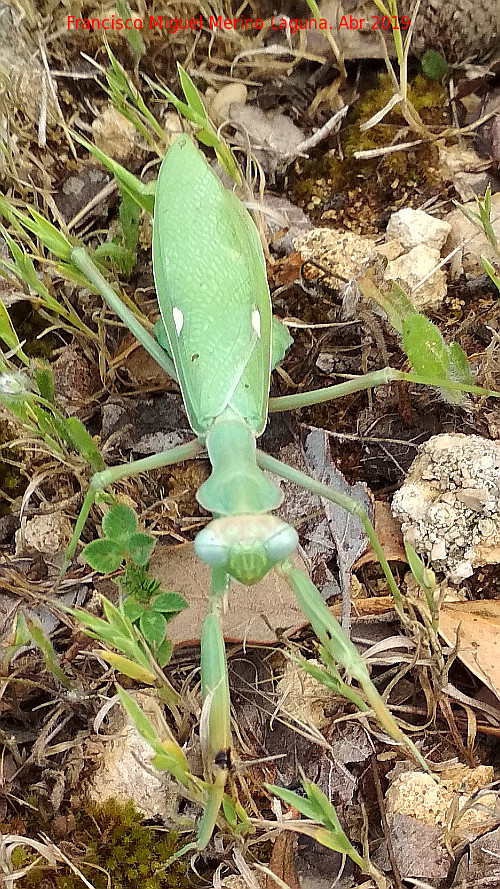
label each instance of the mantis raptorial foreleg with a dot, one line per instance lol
(348, 503)
(101, 480)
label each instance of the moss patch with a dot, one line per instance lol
(361, 194)
(111, 846)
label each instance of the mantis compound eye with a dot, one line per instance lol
(246, 546)
(282, 544)
(210, 548)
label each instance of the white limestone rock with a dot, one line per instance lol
(340, 252)
(411, 268)
(449, 504)
(414, 228)
(470, 240)
(125, 772)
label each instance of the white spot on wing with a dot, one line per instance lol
(178, 319)
(256, 321)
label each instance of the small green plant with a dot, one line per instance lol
(146, 606)
(27, 631)
(193, 110)
(389, 10)
(426, 580)
(151, 609)
(31, 401)
(121, 541)
(323, 824)
(432, 357)
(482, 219)
(132, 656)
(428, 353)
(336, 649)
(434, 65)
(20, 268)
(120, 253)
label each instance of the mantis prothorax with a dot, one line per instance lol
(217, 337)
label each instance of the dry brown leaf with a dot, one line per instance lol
(284, 271)
(388, 531)
(479, 637)
(179, 571)
(282, 862)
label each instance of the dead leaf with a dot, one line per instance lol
(345, 529)
(417, 848)
(282, 862)
(142, 368)
(178, 570)
(273, 136)
(388, 531)
(479, 637)
(480, 866)
(284, 271)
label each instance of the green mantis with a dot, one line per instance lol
(217, 337)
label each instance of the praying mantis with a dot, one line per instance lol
(217, 338)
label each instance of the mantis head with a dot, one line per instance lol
(246, 546)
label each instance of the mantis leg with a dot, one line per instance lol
(114, 473)
(85, 264)
(337, 648)
(351, 506)
(369, 381)
(215, 722)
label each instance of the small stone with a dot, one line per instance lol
(340, 252)
(46, 534)
(438, 551)
(414, 228)
(391, 249)
(229, 94)
(302, 697)
(449, 504)
(76, 380)
(471, 240)
(411, 268)
(115, 135)
(125, 772)
(419, 796)
(474, 498)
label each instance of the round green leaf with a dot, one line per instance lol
(119, 523)
(169, 603)
(163, 652)
(133, 609)
(434, 66)
(103, 556)
(140, 546)
(152, 626)
(425, 347)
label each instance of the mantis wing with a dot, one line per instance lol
(212, 291)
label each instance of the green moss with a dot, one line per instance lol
(113, 842)
(357, 190)
(11, 480)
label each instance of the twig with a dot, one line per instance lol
(382, 152)
(383, 819)
(320, 134)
